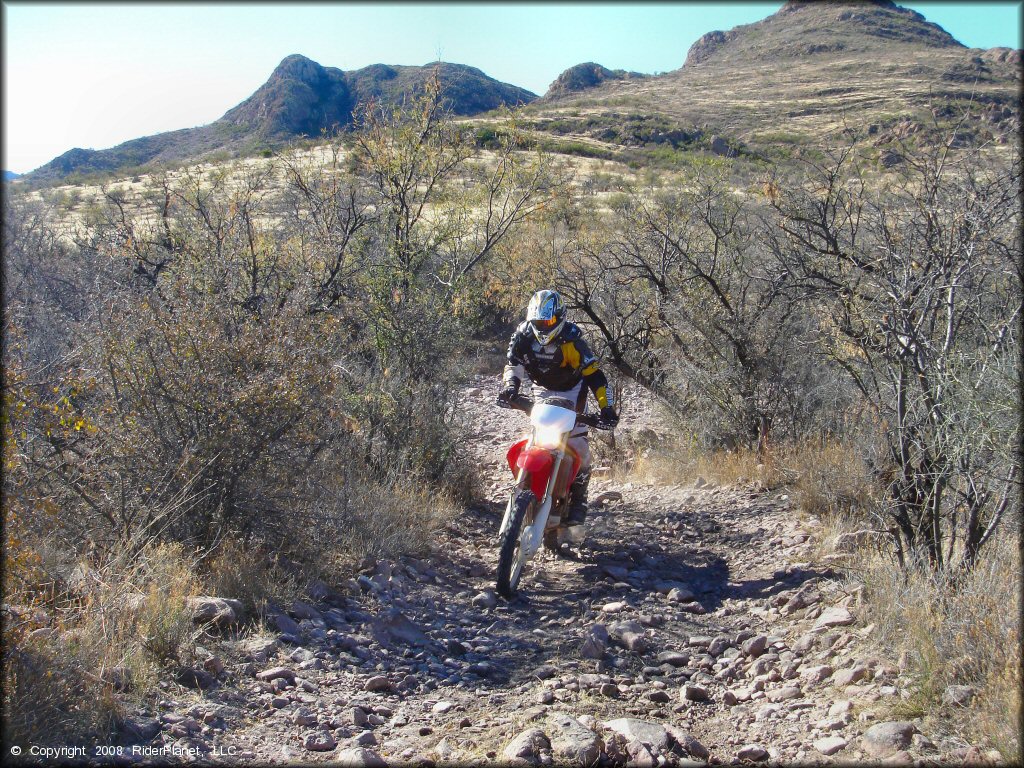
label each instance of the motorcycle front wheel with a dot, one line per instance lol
(511, 555)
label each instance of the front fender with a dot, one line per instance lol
(537, 463)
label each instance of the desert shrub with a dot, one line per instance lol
(69, 666)
(683, 296)
(830, 478)
(252, 574)
(262, 377)
(918, 284)
(954, 631)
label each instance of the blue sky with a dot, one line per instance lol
(94, 75)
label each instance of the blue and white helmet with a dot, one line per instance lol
(546, 315)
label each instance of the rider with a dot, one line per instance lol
(552, 352)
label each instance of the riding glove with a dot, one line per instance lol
(608, 416)
(508, 394)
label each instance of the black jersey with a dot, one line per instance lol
(560, 365)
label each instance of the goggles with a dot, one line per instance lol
(543, 323)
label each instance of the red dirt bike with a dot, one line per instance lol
(544, 467)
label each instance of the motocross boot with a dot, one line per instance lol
(578, 499)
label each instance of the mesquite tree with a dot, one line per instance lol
(686, 300)
(920, 276)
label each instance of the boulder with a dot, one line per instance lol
(836, 616)
(526, 747)
(219, 611)
(571, 742)
(884, 739)
(632, 729)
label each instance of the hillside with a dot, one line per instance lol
(803, 74)
(301, 98)
(800, 76)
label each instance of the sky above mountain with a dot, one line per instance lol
(94, 75)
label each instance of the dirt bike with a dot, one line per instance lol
(544, 467)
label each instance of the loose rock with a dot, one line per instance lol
(572, 743)
(377, 683)
(694, 693)
(275, 673)
(527, 747)
(632, 729)
(486, 600)
(595, 643)
(958, 695)
(359, 758)
(835, 616)
(885, 739)
(752, 752)
(321, 741)
(830, 745)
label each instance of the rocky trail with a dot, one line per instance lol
(692, 627)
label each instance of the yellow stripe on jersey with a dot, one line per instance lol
(570, 356)
(590, 368)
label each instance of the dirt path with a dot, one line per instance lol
(692, 627)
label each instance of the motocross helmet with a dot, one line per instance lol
(546, 315)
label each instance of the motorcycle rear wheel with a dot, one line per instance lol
(511, 556)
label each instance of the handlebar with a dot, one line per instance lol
(525, 404)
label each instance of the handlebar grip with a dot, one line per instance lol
(517, 403)
(593, 420)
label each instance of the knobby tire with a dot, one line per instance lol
(509, 544)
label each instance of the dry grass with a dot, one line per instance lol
(402, 518)
(251, 575)
(68, 682)
(825, 479)
(684, 464)
(955, 631)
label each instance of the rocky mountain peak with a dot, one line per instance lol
(298, 67)
(807, 27)
(586, 75)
